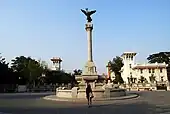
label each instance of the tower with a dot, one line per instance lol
(128, 61)
(56, 63)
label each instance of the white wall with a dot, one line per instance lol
(128, 59)
(135, 70)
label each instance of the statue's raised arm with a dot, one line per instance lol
(88, 14)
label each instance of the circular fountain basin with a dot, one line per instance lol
(90, 78)
(98, 93)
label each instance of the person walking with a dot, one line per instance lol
(89, 94)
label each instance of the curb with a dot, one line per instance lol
(130, 96)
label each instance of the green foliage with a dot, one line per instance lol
(116, 65)
(77, 72)
(28, 68)
(25, 70)
(159, 57)
(53, 77)
(2, 60)
(3, 70)
(8, 78)
(118, 78)
(152, 78)
(142, 79)
(32, 70)
(3, 65)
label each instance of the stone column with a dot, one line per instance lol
(89, 71)
(89, 28)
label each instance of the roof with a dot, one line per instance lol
(126, 53)
(56, 59)
(150, 66)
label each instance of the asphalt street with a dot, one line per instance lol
(148, 103)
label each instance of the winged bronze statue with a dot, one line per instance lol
(88, 14)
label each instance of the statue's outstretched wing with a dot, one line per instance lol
(92, 12)
(84, 12)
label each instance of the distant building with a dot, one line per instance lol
(56, 63)
(132, 71)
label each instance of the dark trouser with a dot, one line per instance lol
(89, 99)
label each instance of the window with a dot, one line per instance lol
(141, 71)
(160, 70)
(153, 70)
(162, 78)
(149, 70)
(128, 79)
(130, 65)
(130, 73)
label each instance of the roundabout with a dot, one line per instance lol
(55, 98)
(26, 103)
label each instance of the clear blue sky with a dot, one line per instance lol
(47, 28)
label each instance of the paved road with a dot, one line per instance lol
(147, 103)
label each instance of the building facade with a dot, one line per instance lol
(132, 72)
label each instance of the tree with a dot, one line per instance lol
(116, 65)
(142, 79)
(8, 79)
(43, 64)
(2, 60)
(152, 78)
(53, 77)
(3, 70)
(159, 57)
(29, 69)
(77, 72)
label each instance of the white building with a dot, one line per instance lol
(133, 72)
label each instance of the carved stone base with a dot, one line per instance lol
(90, 69)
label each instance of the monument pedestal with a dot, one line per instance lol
(89, 74)
(90, 68)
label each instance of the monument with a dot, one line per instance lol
(89, 74)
